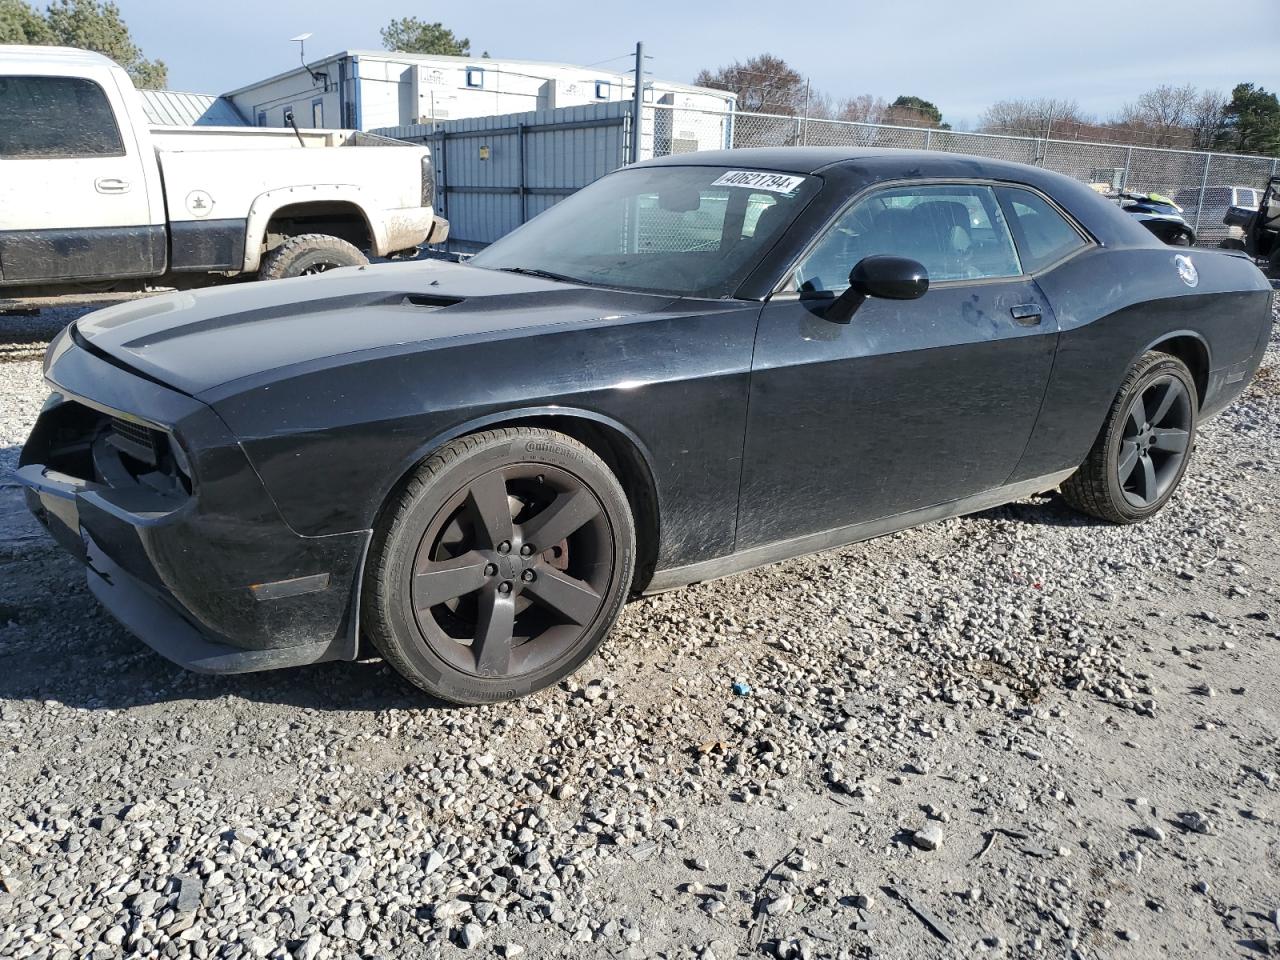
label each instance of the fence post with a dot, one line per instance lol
(1128, 165)
(1204, 183)
(637, 105)
(524, 207)
(928, 139)
(442, 180)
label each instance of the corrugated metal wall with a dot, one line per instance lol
(494, 173)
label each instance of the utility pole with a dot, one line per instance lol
(637, 109)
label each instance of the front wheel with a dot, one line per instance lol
(499, 567)
(309, 254)
(1145, 445)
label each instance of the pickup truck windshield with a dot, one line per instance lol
(690, 231)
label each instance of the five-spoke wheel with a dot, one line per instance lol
(1154, 441)
(1144, 447)
(501, 566)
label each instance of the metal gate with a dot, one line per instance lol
(495, 173)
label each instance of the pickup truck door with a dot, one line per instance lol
(74, 201)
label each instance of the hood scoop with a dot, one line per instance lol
(432, 301)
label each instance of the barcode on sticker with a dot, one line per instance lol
(759, 180)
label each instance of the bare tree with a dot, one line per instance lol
(764, 84)
(1161, 116)
(1030, 117)
(1206, 117)
(863, 109)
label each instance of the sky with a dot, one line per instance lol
(961, 54)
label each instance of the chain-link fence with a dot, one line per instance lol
(1203, 184)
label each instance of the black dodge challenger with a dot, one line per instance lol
(694, 366)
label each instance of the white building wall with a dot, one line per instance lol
(394, 90)
(264, 104)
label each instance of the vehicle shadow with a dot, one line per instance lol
(1049, 509)
(58, 644)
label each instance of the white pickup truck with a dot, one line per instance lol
(91, 197)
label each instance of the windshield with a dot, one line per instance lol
(690, 231)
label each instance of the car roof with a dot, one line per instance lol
(811, 160)
(785, 159)
(1102, 218)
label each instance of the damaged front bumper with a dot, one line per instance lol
(179, 539)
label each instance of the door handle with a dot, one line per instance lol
(1027, 314)
(111, 185)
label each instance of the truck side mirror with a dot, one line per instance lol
(1238, 216)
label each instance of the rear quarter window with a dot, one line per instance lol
(1043, 235)
(56, 118)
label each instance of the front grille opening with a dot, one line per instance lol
(79, 441)
(137, 441)
(63, 440)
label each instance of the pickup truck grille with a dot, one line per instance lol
(139, 442)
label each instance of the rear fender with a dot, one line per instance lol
(266, 205)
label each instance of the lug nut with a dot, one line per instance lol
(504, 546)
(526, 550)
(504, 587)
(527, 576)
(490, 569)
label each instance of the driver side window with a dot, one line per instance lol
(957, 232)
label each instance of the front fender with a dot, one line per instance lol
(513, 416)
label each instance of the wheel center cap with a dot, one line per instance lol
(509, 566)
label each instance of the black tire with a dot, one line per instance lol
(436, 533)
(308, 254)
(1111, 484)
(1273, 267)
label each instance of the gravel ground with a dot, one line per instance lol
(1014, 734)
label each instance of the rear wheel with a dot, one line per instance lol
(500, 566)
(1145, 445)
(309, 254)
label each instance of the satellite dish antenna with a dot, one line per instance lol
(301, 40)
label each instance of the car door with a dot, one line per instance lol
(73, 198)
(911, 403)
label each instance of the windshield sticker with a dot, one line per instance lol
(759, 180)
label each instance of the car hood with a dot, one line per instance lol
(195, 342)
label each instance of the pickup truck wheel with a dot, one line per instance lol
(309, 254)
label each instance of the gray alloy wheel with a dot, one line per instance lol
(500, 566)
(1145, 445)
(307, 255)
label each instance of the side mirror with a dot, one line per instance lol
(1237, 216)
(886, 277)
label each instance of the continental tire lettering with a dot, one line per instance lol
(551, 449)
